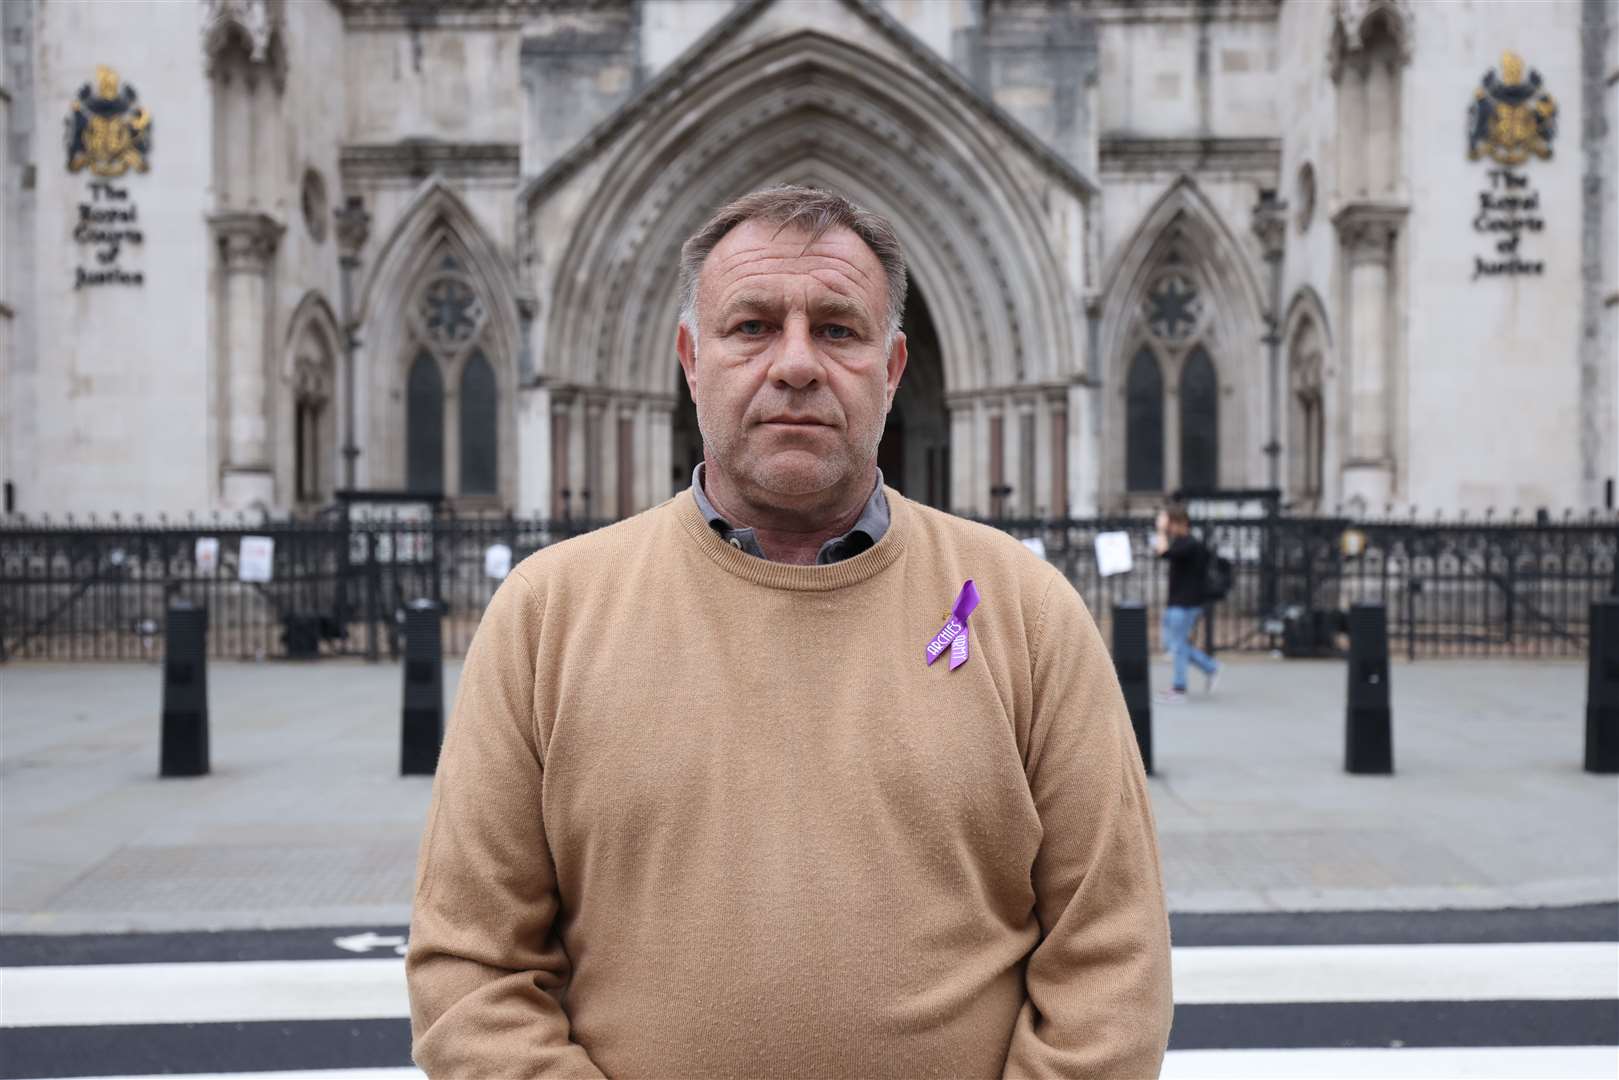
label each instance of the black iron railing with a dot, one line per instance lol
(338, 585)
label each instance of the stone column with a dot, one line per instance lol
(1084, 450)
(534, 468)
(247, 244)
(1367, 234)
(1270, 225)
(962, 457)
(1023, 477)
(659, 444)
(595, 502)
(561, 451)
(353, 226)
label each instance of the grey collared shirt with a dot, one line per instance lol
(867, 530)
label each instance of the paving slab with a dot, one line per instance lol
(304, 820)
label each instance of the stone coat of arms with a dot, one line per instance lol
(1512, 118)
(107, 132)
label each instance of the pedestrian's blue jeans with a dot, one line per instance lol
(1178, 624)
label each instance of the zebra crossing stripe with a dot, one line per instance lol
(1264, 974)
(1449, 1063)
(1495, 1063)
(362, 989)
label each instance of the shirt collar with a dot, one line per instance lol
(868, 528)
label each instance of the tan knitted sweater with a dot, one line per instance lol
(699, 814)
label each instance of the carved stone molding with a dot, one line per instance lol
(353, 227)
(1351, 21)
(457, 14)
(416, 159)
(1125, 154)
(255, 23)
(1367, 231)
(1270, 225)
(247, 240)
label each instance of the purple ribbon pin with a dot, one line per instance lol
(953, 635)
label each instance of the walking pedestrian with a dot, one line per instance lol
(1188, 561)
(720, 795)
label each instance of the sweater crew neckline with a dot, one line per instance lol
(774, 575)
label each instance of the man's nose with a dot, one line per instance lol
(797, 363)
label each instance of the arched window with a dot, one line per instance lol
(452, 428)
(1306, 434)
(479, 422)
(1200, 423)
(1144, 424)
(1171, 388)
(424, 425)
(313, 428)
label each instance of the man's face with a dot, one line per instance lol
(789, 374)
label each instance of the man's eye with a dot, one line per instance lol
(838, 333)
(751, 327)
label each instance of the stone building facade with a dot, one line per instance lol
(257, 251)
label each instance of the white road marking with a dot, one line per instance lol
(203, 993)
(361, 989)
(1248, 975)
(1425, 1063)
(411, 1073)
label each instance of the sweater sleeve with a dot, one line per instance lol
(1097, 1000)
(485, 967)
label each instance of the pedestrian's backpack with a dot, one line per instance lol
(1216, 576)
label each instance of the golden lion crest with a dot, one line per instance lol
(1512, 116)
(107, 132)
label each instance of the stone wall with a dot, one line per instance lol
(1492, 414)
(117, 376)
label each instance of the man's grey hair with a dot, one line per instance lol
(796, 209)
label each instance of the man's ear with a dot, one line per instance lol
(897, 357)
(686, 350)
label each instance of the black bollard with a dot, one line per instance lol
(1369, 735)
(1130, 662)
(423, 721)
(184, 740)
(1602, 689)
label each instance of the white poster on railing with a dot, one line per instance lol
(1113, 553)
(497, 561)
(206, 558)
(1036, 545)
(257, 559)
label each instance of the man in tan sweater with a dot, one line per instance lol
(789, 776)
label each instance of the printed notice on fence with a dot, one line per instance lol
(1113, 553)
(257, 559)
(207, 555)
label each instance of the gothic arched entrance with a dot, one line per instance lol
(992, 224)
(915, 451)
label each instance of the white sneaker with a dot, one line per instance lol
(1170, 697)
(1212, 679)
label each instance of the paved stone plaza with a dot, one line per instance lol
(305, 822)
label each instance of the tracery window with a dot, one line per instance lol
(1172, 388)
(452, 406)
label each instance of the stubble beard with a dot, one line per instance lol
(793, 472)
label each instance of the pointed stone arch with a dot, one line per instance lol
(994, 232)
(1360, 21)
(1184, 236)
(307, 404)
(1310, 408)
(437, 238)
(809, 109)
